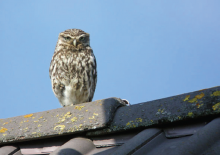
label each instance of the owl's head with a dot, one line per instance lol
(74, 37)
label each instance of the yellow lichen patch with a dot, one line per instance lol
(193, 100)
(3, 130)
(5, 123)
(186, 98)
(25, 129)
(80, 126)
(26, 121)
(39, 125)
(161, 110)
(79, 107)
(216, 106)
(59, 127)
(93, 117)
(128, 124)
(35, 134)
(40, 117)
(200, 96)
(199, 105)
(216, 93)
(62, 120)
(190, 114)
(4, 134)
(33, 117)
(139, 119)
(131, 124)
(74, 119)
(95, 114)
(152, 121)
(179, 117)
(36, 121)
(68, 115)
(26, 116)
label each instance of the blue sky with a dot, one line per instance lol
(145, 50)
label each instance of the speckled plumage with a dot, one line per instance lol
(72, 70)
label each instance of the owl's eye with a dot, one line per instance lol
(67, 38)
(82, 39)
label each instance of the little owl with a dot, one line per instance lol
(72, 70)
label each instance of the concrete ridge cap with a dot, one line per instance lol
(105, 116)
(61, 121)
(188, 106)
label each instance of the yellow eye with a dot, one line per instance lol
(67, 38)
(82, 39)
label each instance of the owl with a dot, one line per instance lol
(72, 69)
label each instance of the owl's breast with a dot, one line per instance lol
(77, 69)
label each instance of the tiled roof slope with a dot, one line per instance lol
(182, 124)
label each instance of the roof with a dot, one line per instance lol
(182, 124)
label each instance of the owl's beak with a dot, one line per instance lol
(74, 42)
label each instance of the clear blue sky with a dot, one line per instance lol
(145, 49)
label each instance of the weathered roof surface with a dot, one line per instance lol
(82, 117)
(182, 107)
(182, 124)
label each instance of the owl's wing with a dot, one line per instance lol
(94, 78)
(51, 68)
